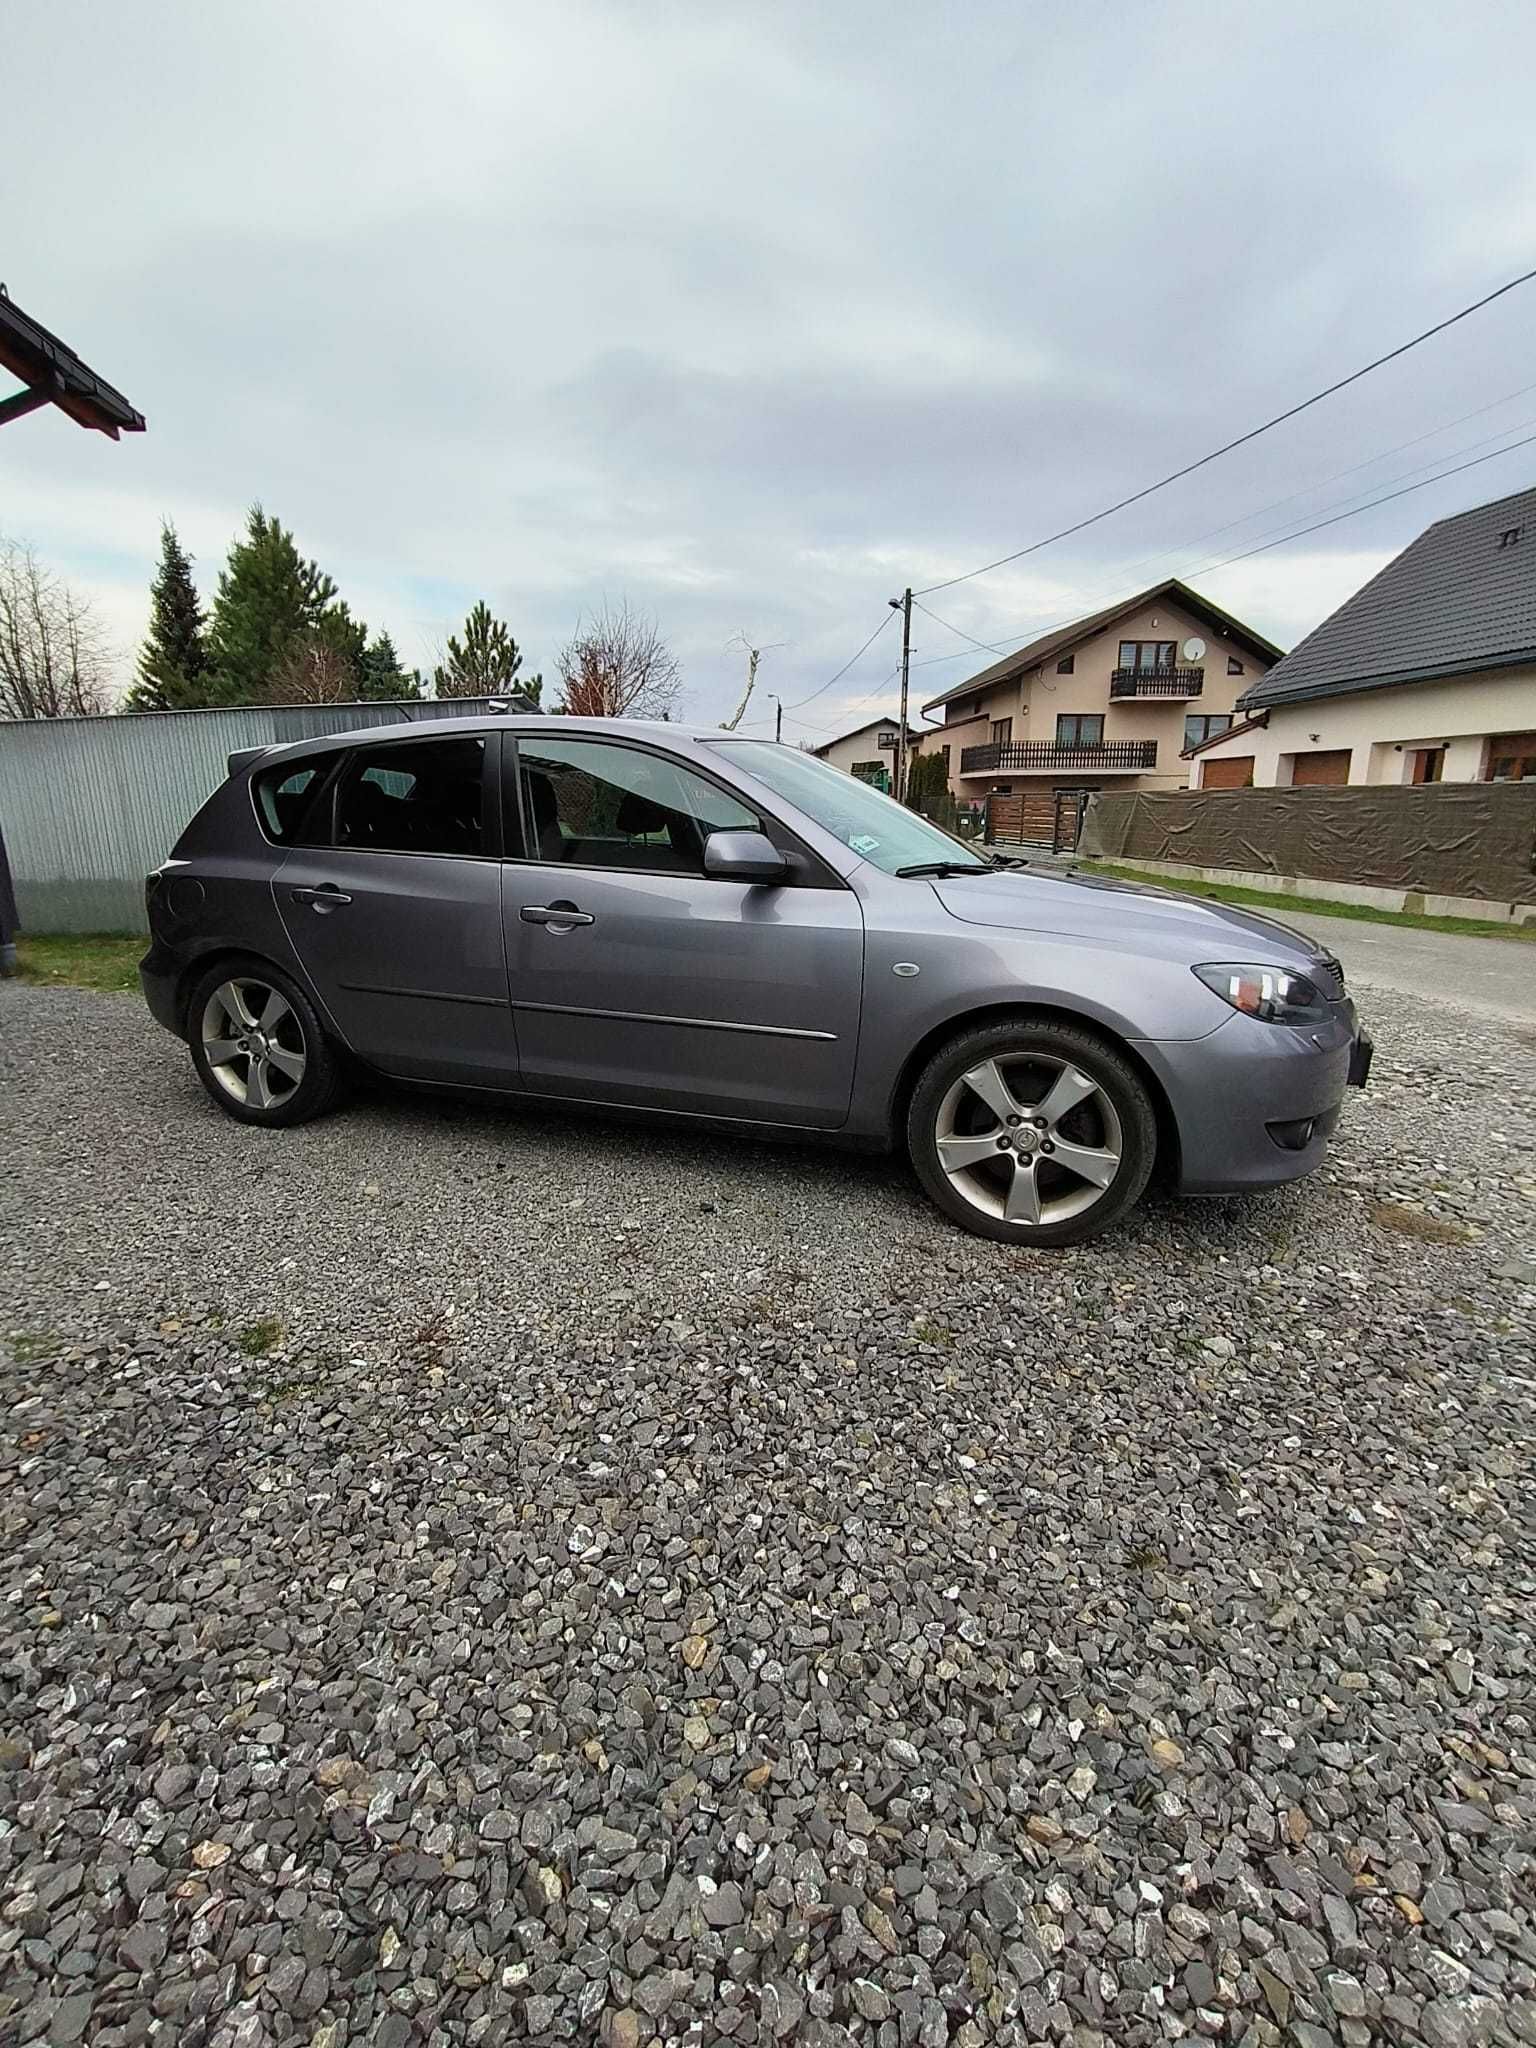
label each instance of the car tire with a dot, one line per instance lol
(1031, 1132)
(278, 1067)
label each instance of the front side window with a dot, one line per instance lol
(1203, 725)
(601, 804)
(883, 831)
(1146, 654)
(1080, 729)
(413, 797)
(282, 797)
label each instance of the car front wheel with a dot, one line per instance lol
(1031, 1133)
(258, 1047)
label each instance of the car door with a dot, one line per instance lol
(395, 912)
(635, 978)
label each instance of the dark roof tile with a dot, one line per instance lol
(1452, 602)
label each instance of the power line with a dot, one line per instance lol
(986, 646)
(1107, 594)
(829, 732)
(1209, 568)
(1493, 454)
(884, 622)
(1227, 447)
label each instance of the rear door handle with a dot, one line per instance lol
(560, 916)
(326, 897)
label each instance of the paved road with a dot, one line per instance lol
(1493, 977)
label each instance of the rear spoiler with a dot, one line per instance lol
(244, 756)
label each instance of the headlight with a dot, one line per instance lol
(1268, 992)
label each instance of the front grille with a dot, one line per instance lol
(1328, 976)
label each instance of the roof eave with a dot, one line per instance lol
(1344, 686)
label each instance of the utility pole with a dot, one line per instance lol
(778, 719)
(903, 604)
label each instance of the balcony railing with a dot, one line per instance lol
(1002, 760)
(1156, 682)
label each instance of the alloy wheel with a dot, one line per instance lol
(253, 1042)
(1030, 1139)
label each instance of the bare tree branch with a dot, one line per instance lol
(618, 666)
(313, 672)
(53, 656)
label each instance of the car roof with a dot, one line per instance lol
(557, 727)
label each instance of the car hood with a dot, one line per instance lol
(1091, 906)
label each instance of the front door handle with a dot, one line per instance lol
(558, 916)
(326, 897)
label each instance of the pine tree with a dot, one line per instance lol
(173, 662)
(380, 676)
(271, 602)
(484, 663)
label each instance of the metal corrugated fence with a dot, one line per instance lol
(89, 805)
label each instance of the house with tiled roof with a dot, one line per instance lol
(1108, 701)
(1426, 674)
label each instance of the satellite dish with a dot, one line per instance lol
(1193, 649)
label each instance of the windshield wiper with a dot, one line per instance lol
(948, 867)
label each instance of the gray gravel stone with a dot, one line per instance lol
(513, 1643)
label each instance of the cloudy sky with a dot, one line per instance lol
(754, 313)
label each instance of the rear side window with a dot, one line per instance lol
(282, 797)
(414, 797)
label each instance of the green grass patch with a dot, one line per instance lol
(33, 1347)
(937, 1334)
(1317, 906)
(108, 961)
(258, 1338)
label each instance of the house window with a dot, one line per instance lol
(1067, 665)
(1002, 732)
(886, 739)
(1205, 725)
(1080, 729)
(1512, 757)
(1234, 666)
(944, 752)
(1146, 654)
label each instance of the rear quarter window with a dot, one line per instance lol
(283, 797)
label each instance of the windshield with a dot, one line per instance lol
(873, 824)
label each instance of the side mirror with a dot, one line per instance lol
(743, 857)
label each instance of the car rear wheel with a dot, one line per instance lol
(1031, 1133)
(258, 1046)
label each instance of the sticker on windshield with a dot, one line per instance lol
(866, 843)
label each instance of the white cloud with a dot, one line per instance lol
(755, 314)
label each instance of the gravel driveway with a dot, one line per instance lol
(481, 1577)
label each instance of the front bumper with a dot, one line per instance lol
(1255, 1103)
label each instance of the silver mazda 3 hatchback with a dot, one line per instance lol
(689, 924)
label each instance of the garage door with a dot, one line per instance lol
(1236, 773)
(1321, 771)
